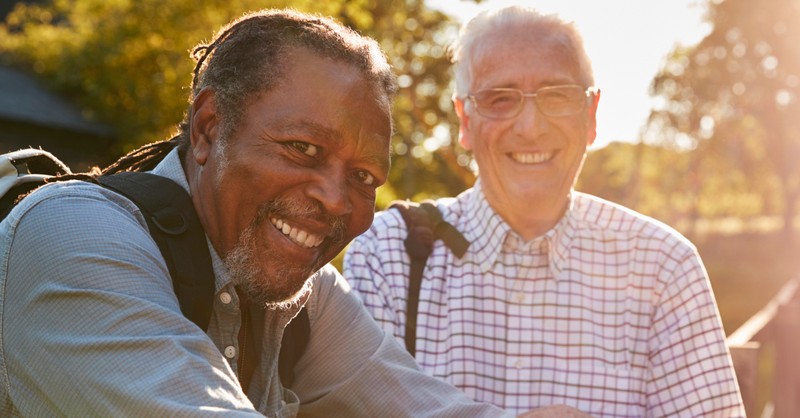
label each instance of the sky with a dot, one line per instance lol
(628, 42)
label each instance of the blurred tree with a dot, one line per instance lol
(653, 180)
(734, 99)
(126, 63)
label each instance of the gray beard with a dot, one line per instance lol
(287, 287)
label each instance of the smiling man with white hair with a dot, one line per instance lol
(562, 297)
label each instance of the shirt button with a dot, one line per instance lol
(519, 363)
(230, 351)
(519, 297)
(225, 297)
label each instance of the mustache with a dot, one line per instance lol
(294, 208)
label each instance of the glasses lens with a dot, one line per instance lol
(560, 100)
(552, 101)
(498, 103)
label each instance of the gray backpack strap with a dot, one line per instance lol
(24, 170)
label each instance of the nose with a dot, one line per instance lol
(331, 191)
(530, 119)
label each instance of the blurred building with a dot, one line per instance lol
(32, 116)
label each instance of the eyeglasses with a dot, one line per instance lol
(505, 103)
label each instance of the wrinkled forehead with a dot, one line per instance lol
(502, 44)
(524, 37)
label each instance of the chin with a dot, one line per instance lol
(276, 283)
(287, 301)
(270, 275)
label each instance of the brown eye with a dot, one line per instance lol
(306, 148)
(365, 177)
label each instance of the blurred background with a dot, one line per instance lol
(699, 120)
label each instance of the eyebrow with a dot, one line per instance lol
(544, 83)
(309, 128)
(384, 162)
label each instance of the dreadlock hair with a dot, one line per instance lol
(245, 59)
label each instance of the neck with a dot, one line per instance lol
(532, 220)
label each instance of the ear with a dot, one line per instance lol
(203, 125)
(591, 123)
(463, 128)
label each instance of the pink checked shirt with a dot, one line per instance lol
(610, 312)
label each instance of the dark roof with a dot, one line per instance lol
(6, 6)
(25, 100)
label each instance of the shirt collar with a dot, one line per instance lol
(487, 232)
(170, 167)
(484, 228)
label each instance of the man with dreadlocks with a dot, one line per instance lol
(284, 142)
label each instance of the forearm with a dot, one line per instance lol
(390, 384)
(351, 368)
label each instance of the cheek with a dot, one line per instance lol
(361, 219)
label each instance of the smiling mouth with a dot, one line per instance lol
(298, 236)
(532, 157)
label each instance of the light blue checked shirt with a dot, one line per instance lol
(609, 312)
(90, 326)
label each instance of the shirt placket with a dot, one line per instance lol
(528, 261)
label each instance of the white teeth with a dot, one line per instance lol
(300, 237)
(532, 158)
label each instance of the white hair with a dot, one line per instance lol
(475, 34)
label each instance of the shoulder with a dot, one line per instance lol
(597, 215)
(389, 230)
(74, 225)
(327, 279)
(390, 220)
(72, 211)
(330, 293)
(387, 219)
(69, 199)
(74, 242)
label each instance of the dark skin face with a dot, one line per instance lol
(296, 180)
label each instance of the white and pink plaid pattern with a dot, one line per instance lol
(610, 312)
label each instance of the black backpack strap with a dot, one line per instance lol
(425, 225)
(419, 245)
(444, 231)
(175, 227)
(293, 344)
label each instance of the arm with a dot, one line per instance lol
(91, 326)
(690, 369)
(364, 268)
(352, 369)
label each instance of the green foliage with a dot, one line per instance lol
(734, 99)
(426, 164)
(126, 62)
